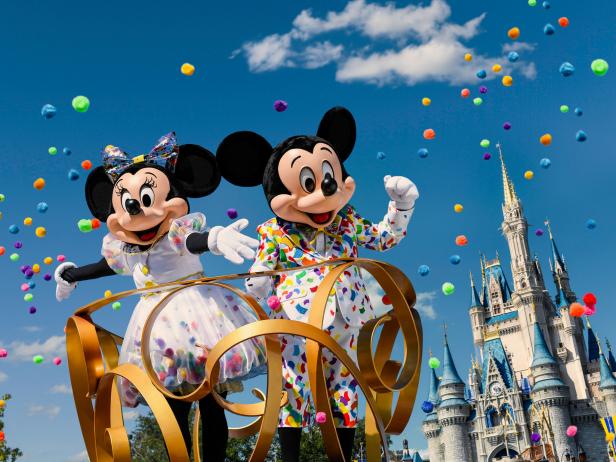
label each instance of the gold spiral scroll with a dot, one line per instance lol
(93, 364)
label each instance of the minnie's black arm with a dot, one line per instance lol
(92, 271)
(197, 242)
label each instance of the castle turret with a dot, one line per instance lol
(607, 385)
(610, 358)
(559, 268)
(430, 426)
(477, 315)
(593, 343)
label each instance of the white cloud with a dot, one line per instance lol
(518, 46)
(425, 304)
(416, 43)
(32, 328)
(61, 389)
(81, 457)
(50, 411)
(49, 348)
(3, 376)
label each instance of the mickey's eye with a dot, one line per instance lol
(306, 179)
(147, 196)
(328, 169)
(125, 198)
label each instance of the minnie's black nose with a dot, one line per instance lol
(329, 185)
(133, 207)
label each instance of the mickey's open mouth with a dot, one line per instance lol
(320, 218)
(147, 234)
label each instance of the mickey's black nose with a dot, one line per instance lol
(329, 185)
(133, 207)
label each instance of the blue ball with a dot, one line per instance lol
(42, 207)
(548, 29)
(423, 270)
(513, 56)
(48, 111)
(566, 69)
(578, 111)
(73, 175)
(545, 163)
(32, 284)
(482, 74)
(67, 151)
(455, 259)
(427, 407)
(591, 224)
(13, 229)
(423, 153)
(580, 136)
(546, 5)
(380, 155)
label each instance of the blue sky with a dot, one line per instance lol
(379, 62)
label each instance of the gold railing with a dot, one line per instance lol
(93, 365)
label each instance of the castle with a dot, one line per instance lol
(539, 370)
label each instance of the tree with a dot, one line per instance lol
(7, 454)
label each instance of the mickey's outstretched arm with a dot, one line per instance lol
(227, 241)
(67, 275)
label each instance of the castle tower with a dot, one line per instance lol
(559, 268)
(453, 412)
(610, 359)
(607, 386)
(477, 314)
(430, 425)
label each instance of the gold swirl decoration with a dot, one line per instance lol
(93, 365)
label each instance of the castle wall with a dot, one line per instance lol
(591, 438)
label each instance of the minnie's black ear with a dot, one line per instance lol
(242, 158)
(196, 171)
(99, 190)
(338, 127)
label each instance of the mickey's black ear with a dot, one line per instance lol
(242, 158)
(196, 171)
(99, 190)
(338, 127)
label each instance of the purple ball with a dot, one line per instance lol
(539, 232)
(280, 105)
(32, 309)
(18, 245)
(23, 268)
(535, 437)
(507, 126)
(487, 156)
(29, 273)
(483, 89)
(232, 213)
(47, 277)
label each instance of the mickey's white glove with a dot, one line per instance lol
(402, 191)
(259, 286)
(230, 243)
(63, 288)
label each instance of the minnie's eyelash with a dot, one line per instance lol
(120, 190)
(150, 182)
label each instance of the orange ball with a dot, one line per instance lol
(2, 250)
(429, 134)
(465, 93)
(507, 80)
(39, 183)
(513, 33)
(563, 22)
(461, 240)
(576, 310)
(546, 139)
(86, 165)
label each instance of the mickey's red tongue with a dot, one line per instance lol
(147, 236)
(320, 218)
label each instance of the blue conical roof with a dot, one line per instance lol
(541, 353)
(474, 295)
(450, 373)
(562, 298)
(558, 258)
(610, 357)
(417, 457)
(607, 378)
(593, 344)
(434, 383)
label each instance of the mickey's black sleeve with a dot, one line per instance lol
(197, 242)
(83, 273)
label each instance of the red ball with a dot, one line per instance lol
(96, 223)
(86, 165)
(590, 299)
(576, 310)
(563, 22)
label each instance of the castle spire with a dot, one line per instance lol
(594, 348)
(508, 188)
(541, 353)
(610, 358)
(450, 373)
(557, 256)
(475, 301)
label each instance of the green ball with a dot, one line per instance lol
(564, 109)
(2, 197)
(599, 67)
(37, 359)
(434, 363)
(484, 143)
(448, 288)
(14, 257)
(81, 103)
(84, 225)
(477, 101)
(52, 151)
(532, 2)
(28, 297)
(116, 306)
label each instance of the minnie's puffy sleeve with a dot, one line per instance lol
(113, 253)
(183, 227)
(385, 234)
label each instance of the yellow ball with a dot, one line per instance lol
(468, 57)
(187, 69)
(497, 68)
(48, 260)
(36, 268)
(2, 403)
(528, 174)
(507, 80)
(458, 208)
(108, 294)
(426, 101)
(40, 232)
(28, 221)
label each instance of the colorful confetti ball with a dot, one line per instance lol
(13, 229)
(3, 353)
(84, 225)
(448, 288)
(546, 5)
(581, 136)
(61, 258)
(39, 183)
(81, 103)
(380, 155)
(461, 240)
(321, 417)
(599, 67)
(422, 153)
(86, 164)
(40, 232)
(545, 139)
(563, 22)
(67, 151)
(107, 293)
(548, 29)
(571, 431)
(187, 69)
(507, 126)
(57, 361)
(591, 224)
(427, 407)
(426, 101)
(47, 277)
(545, 163)
(28, 221)
(14, 257)
(2, 197)
(48, 260)
(455, 259)
(576, 310)
(28, 297)
(2, 250)
(48, 111)
(423, 270)
(484, 143)
(564, 108)
(513, 33)
(589, 299)
(280, 105)
(232, 213)
(539, 232)
(73, 175)
(578, 111)
(468, 57)
(529, 174)
(458, 208)
(434, 363)
(42, 207)
(52, 150)
(483, 89)
(25, 287)
(465, 93)
(487, 156)
(532, 2)
(513, 56)
(482, 74)
(429, 134)
(477, 101)
(115, 306)
(566, 69)
(36, 268)
(37, 359)
(32, 310)
(535, 437)
(507, 80)
(18, 245)
(273, 302)
(497, 68)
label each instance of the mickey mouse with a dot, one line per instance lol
(308, 189)
(153, 238)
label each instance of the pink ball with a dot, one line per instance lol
(25, 287)
(571, 431)
(3, 353)
(590, 310)
(273, 302)
(321, 417)
(60, 258)
(57, 361)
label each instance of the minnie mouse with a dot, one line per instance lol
(308, 189)
(144, 201)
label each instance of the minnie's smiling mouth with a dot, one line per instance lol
(147, 234)
(320, 218)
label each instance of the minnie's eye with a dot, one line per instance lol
(306, 179)
(125, 198)
(328, 169)
(147, 196)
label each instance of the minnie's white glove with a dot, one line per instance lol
(259, 286)
(402, 191)
(63, 288)
(230, 243)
